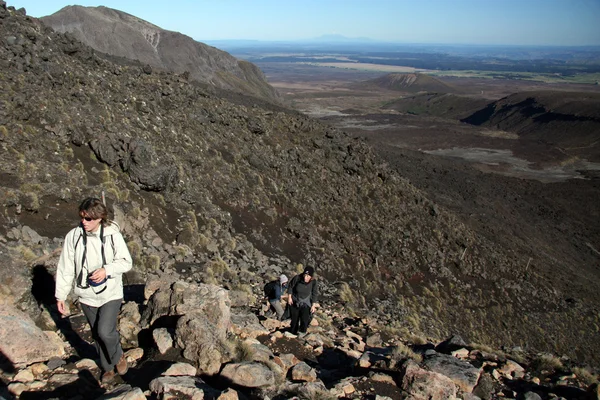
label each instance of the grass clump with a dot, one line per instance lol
(547, 362)
(31, 201)
(152, 262)
(219, 268)
(401, 353)
(241, 350)
(26, 254)
(10, 198)
(585, 375)
(135, 249)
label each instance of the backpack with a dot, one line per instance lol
(269, 288)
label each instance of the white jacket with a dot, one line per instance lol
(118, 261)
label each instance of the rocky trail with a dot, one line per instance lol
(186, 341)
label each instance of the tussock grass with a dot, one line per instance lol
(402, 353)
(585, 375)
(135, 249)
(483, 347)
(26, 253)
(547, 362)
(243, 287)
(416, 339)
(241, 351)
(10, 198)
(152, 262)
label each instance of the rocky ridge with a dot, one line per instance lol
(411, 83)
(234, 192)
(569, 121)
(119, 34)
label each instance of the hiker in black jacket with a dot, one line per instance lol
(273, 292)
(302, 300)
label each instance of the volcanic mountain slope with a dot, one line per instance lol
(568, 120)
(237, 190)
(444, 105)
(410, 83)
(120, 34)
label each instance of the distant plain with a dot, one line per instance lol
(328, 81)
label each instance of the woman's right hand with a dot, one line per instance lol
(62, 309)
(290, 300)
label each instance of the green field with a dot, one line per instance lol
(530, 76)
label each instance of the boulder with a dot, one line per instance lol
(421, 384)
(451, 344)
(302, 372)
(462, 373)
(249, 374)
(123, 392)
(163, 339)
(247, 325)
(129, 325)
(203, 317)
(180, 369)
(167, 386)
(22, 342)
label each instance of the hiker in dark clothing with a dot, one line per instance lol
(302, 300)
(273, 292)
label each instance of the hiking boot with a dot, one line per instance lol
(122, 366)
(107, 377)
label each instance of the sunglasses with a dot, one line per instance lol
(88, 219)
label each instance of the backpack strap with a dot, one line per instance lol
(80, 278)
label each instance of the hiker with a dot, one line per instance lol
(95, 256)
(302, 300)
(273, 291)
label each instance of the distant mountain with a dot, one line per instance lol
(340, 38)
(411, 83)
(123, 35)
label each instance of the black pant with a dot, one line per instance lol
(103, 322)
(300, 318)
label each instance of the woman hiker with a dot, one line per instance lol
(95, 257)
(302, 300)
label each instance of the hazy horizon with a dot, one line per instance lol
(438, 22)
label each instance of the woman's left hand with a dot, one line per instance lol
(98, 275)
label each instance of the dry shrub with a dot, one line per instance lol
(152, 262)
(401, 353)
(585, 375)
(241, 351)
(547, 362)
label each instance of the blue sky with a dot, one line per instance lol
(513, 22)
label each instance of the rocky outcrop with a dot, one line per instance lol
(123, 35)
(22, 342)
(570, 121)
(203, 318)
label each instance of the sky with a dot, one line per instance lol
(493, 22)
